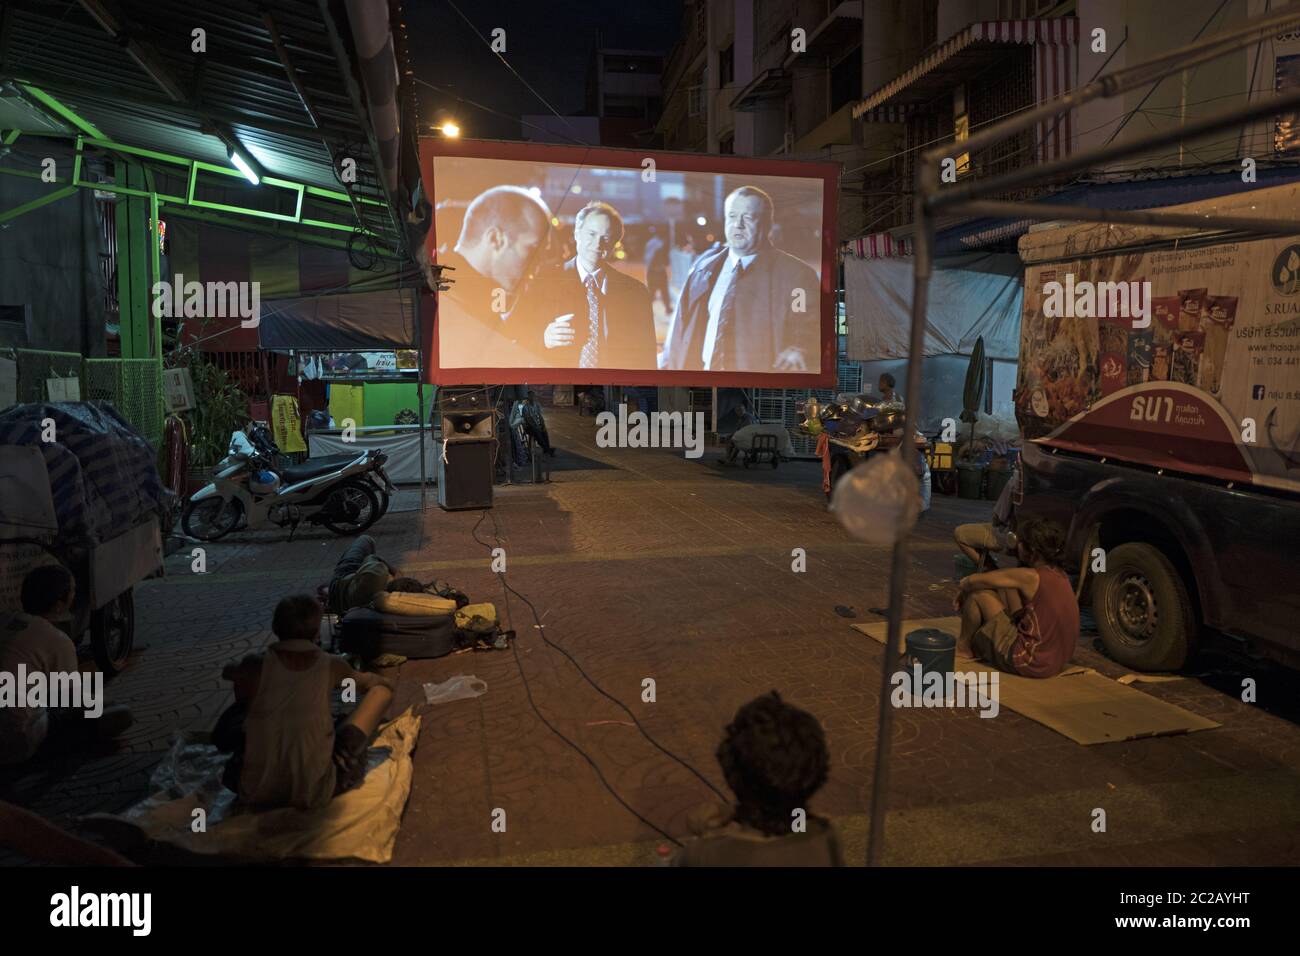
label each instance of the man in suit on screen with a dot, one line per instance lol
(746, 306)
(599, 317)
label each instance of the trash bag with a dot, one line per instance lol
(460, 687)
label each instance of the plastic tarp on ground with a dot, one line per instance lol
(346, 322)
(970, 296)
(102, 474)
(361, 824)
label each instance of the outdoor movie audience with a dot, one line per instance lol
(288, 750)
(1022, 620)
(31, 640)
(774, 758)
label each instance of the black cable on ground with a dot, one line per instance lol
(532, 703)
(600, 690)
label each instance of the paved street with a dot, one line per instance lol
(642, 564)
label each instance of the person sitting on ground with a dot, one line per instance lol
(287, 750)
(979, 541)
(535, 424)
(774, 758)
(31, 640)
(361, 575)
(1022, 620)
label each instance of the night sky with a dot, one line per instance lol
(549, 42)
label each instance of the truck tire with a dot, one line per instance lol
(112, 633)
(1143, 609)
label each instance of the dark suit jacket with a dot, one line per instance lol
(627, 320)
(766, 323)
(471, 334)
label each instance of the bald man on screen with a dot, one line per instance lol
(504, 232)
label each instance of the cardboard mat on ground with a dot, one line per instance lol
(361, 824)
(1080, 703)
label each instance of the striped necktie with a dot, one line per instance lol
(591, 349)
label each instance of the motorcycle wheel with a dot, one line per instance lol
(112, 633)
(352, 508)
(210, 518)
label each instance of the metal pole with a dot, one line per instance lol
(419, 389)
(927, 177)
(1049, 212)
(155, 258)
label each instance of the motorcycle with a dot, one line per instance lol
(346, 493)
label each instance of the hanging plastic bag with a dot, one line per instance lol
(456, 688)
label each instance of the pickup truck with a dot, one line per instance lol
(1162, 427)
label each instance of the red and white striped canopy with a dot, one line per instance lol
(1055, 39)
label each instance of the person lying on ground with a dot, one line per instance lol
(1022, 620)
(40, 841)
(774, 758)
(361, 574)
(979, 541)
(287, 749)
(30, 640)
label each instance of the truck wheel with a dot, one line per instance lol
(1143, 610)
(112, 633)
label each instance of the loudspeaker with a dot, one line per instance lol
(466, 413)
(465, 470)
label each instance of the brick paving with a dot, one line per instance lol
(648, 565)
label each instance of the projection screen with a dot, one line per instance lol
(577, 265)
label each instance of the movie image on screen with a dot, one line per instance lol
(590, 268)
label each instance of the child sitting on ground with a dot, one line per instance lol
(287, 750)
(774, 757)
(1022, 620)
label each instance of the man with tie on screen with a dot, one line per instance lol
(607, 319)
(739, 309)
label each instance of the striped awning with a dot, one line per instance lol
(880, 245)
(1055, 40)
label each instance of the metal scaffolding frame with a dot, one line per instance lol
(933, 198)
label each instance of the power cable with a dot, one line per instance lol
(528, 691)
(507, 65)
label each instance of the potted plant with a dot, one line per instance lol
(220, 407)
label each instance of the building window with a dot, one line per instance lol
(695, 101)
(846, 80)
(727, 66)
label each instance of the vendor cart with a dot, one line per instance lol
(106, 572)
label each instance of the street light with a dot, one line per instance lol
(450, 129)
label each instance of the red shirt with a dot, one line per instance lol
(1048, 627)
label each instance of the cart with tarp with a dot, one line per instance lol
(83, 491)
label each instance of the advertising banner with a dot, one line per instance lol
(1199, 374)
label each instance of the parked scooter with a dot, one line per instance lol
(342, 492)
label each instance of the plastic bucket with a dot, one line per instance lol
(970, 480)
(929, 651)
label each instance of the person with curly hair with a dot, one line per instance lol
(774, 758)
(1022, 620)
